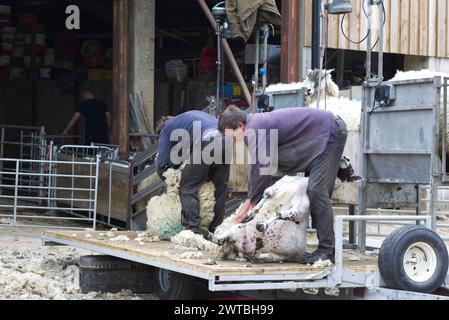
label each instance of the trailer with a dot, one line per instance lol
(176, 278)
(401, 152)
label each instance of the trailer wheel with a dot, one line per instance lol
(170, 285)
(413, 258)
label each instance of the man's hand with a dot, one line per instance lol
(247, 207)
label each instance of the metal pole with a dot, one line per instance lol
(43, 155)
(381, 41)
(16, 192)
(228, 52)
(120, 75)
(352, 231)
(316, 9)
(219, 34)
(2, 154)
(97, 170)
(256, 71)
(90, 183)
(369, 42)
(322, 50)
(266, 32)
(50, 180)
(110, 193)
(21, 151)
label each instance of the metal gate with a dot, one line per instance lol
(403, 150)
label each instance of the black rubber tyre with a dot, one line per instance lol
(170, 285)
(417, 242)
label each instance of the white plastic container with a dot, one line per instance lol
(16, 73)
(6, 46)
(18, 52)
(40, 39)
(27, 61)
(45, 73)
(5, 60)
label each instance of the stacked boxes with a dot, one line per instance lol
(6, 45)
(19, 44)
(5, 15)
(24, 47)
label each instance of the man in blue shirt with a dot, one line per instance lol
(200, 129)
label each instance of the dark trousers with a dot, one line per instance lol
(193, 177)
(322, 175)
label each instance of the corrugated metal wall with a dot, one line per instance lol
(413, 27)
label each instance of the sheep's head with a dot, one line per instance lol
(313, 80)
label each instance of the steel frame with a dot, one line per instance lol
(337, 276)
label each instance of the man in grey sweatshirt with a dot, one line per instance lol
(308, 140)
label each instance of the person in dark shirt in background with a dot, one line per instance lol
(310, 141)
(194, 175)
(97, 118)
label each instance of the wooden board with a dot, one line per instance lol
(412, 27)
(163, 252)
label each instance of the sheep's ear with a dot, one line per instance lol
(330, 71)
(309, 71)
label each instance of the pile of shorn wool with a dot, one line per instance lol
(164, 211)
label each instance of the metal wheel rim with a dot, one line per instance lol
(164, 277)
(420, 262)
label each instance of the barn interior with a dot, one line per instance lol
(44, 65)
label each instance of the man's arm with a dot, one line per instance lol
(72, 122)
(259, 177)
(163, 154)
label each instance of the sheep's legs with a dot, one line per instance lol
(270, 258)
(214, 239)
(269, 193)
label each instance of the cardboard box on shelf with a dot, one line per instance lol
(8, 34)
(45, 73)
(5, 15)
(95, 75)
(26, 19)
(5, 60)
(28, 60)
(49, 57)
(19, 51)
(4, 73)
(16, 73)
(5, 10)
(6, 46)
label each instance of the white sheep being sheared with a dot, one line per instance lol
(164, 211)
(277, 232)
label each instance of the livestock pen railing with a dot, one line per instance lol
(108, 160)
(21, 207)
(22, 142)
(50, 177)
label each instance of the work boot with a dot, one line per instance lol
(312, 258)
(195, 230)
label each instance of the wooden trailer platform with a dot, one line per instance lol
(222, 275)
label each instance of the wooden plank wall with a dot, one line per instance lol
(412, 27)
